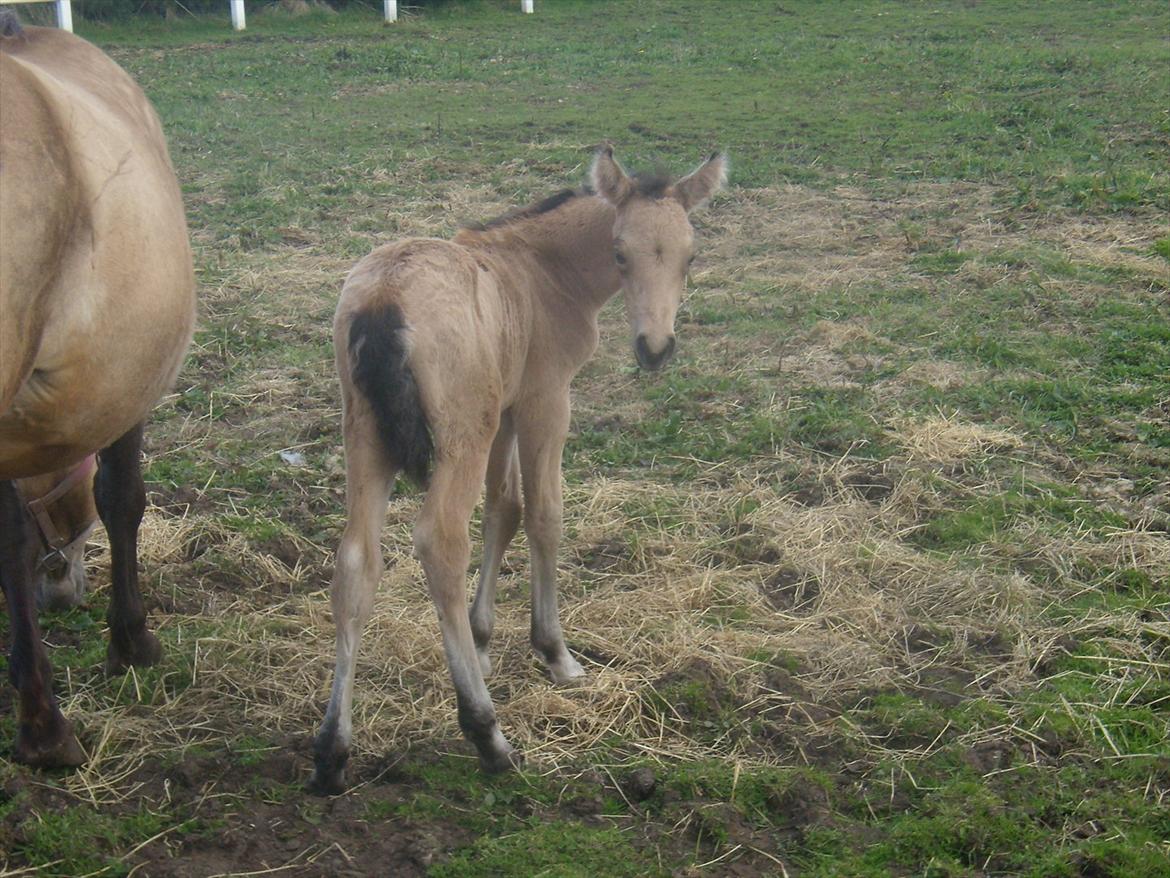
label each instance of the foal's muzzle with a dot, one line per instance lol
(652, 360)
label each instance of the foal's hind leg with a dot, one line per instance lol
(542, 428)
(121, 501)
(440, 537)
(501, 517)
(369, 480)
(43, 736)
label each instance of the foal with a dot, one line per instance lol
(459, 354)
(64, 511)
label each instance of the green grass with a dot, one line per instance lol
(994, 92)
(555, 849)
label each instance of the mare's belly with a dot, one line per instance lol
(61, 414)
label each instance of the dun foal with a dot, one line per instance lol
(459, 354)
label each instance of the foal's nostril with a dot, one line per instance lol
(652, 360)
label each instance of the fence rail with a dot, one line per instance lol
(239, 17)
(389, 11)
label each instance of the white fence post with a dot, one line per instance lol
(64, 11)
(238, 20)
(527, 6)
(65, 15)
(390, 10)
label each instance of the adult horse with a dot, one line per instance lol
(97, 301)
(460, 354)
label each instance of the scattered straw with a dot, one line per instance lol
(784, 610)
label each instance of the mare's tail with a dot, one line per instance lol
(381, 371)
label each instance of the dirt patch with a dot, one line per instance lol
(790, 590)
(609, 555)
(874, 484)
(693, 693)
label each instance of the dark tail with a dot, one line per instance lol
(377, 356)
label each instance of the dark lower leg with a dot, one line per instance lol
(442, 545)
(121, 501)
(44, 737)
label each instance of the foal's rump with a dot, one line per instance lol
(414, 336)
(96, 286)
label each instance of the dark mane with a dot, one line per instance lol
(648, 185)
(9, 24)
(653, 184)
(541, 207)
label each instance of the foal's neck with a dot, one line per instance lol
(571, 245)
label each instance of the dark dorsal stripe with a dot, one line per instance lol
(651, 185)
(544, 206)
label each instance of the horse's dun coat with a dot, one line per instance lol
(97, 299)
(460, 353)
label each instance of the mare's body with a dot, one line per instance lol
(97, 301)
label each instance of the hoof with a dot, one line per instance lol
(141, 653)
(61, 751)
(498, 762)
(328, 770)
(327, 781)
(566, 669)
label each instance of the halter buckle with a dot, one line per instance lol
(55, 564)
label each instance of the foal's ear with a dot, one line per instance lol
(609, 180)
(703, 182)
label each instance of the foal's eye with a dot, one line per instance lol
(619, 257)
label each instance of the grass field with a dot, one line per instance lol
(873, 580)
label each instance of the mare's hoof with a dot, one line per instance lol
(62, 751)
(499, 762)
(141, 653)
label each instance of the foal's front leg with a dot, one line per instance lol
(121, 500)
(542, 431)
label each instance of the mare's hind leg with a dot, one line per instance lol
(542, 429)
(441, 540)
(121, 500)
(43, 736)
(369, 481)
(501, 518)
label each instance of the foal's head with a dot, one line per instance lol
(59, 578)
(653, 244)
